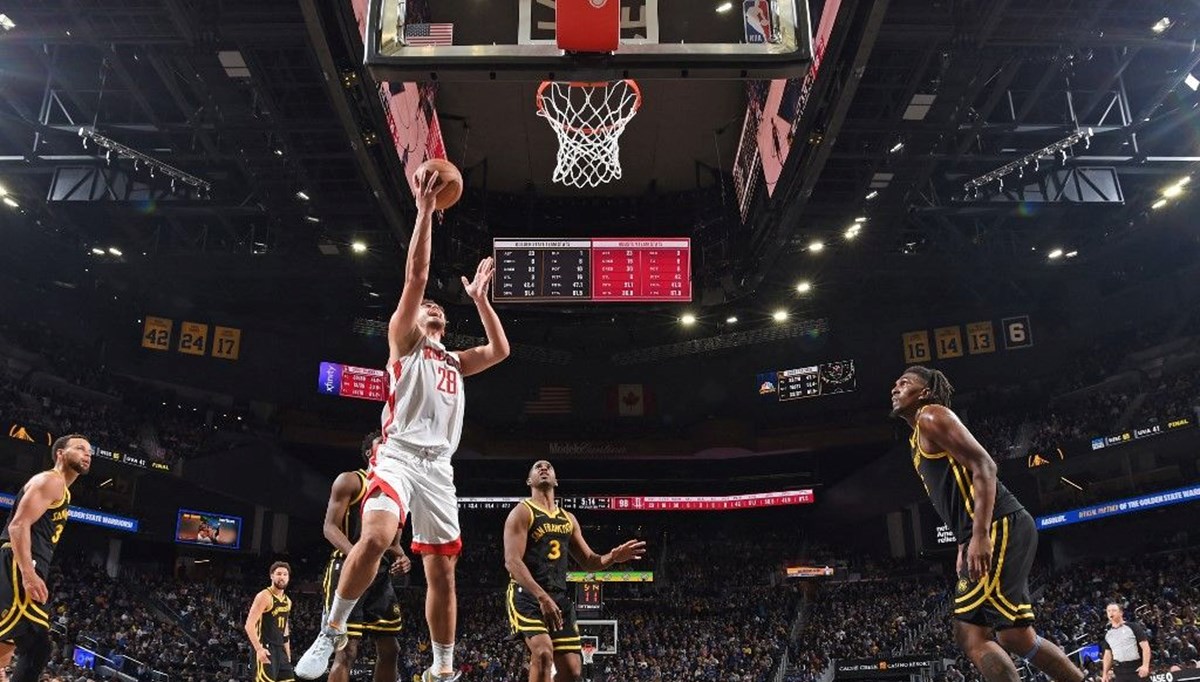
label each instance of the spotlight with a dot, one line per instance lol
(1055, 254)
(302, 196)
(732, 319)
(1172, 191)
(11, 202)
(1192, 82)
(804, 287)
(98, 252)
(1161, 25)
(724, 7)
(1158, 204)
(861, 219)
(816, 246)
(1072, 254)
(312, 219)
(115, 251)
(359, 247)
(874, 193)
(899, 146)
(779, 315)
(687, 319)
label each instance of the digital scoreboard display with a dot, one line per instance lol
(782, 498)
(348, 381)
(812, 381)
(597, 270)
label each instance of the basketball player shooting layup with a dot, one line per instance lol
(411, 471)
(538, 536)
(997, 538)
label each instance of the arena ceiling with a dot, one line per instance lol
(918, 97)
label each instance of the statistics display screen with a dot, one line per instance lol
(781, 498)
(208, 529)
(812, 381)
(348, 381)
(597, 270)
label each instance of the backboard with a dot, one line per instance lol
(431, 40)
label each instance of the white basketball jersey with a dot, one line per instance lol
(423, 413)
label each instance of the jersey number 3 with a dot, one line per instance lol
(58, 529)
(447, 381)
(555, 550)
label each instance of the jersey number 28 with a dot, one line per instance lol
(447, 381)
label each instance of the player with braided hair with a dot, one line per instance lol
(997, 538)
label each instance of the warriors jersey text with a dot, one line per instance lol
(424, 409)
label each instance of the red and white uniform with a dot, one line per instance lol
(422, 424)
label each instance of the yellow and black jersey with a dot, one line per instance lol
(951, 491)
(45, 532)
(547, 546)
(351, 523)
(273, 622)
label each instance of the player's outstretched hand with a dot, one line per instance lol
(628, 551)
(477, 288)
(426, 185)
(551, 615)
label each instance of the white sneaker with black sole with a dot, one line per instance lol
(315, 661)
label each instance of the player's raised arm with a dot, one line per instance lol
(42, 491)
(590, 561)
(345, 486)
(944, 431)
(262, 602)
(475, 360)
(402, 328)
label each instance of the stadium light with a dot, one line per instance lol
(732, 319)
(359, 247)
(1172, 191)
(687, 319)
(898, 146)
(724, 7)
(1158, 204)
(302, 195)
(1072, 254)
(6, 23)
(115, 251)
(1161, 25)
(312, 219)
(1055, 254)
(3, 192)
(816, 246)
(873, 193)
(852, 231)
(804, 287)
(97, 252)
(779, 315)
(861, 219)
(1192, 82)
(11, 202)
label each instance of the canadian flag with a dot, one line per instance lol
(633, 400)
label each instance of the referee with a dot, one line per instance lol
(1126, 648)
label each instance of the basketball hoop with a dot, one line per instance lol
(588, 119)
(588, 650)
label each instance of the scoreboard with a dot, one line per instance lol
(599, 270)
(348, 381)
(782, 498)
(797, 383)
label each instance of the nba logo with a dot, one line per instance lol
(758, 20)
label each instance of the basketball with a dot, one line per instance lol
(450, 174)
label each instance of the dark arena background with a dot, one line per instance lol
(205, 222)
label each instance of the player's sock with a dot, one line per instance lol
(443, 657)
(340, 610)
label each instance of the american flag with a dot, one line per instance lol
(550, 400)
(418, 35)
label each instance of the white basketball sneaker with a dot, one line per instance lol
(315, 661)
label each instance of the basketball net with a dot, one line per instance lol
(588, 652)
(588, 119)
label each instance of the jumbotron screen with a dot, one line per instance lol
(595, 270)
(208, 529)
